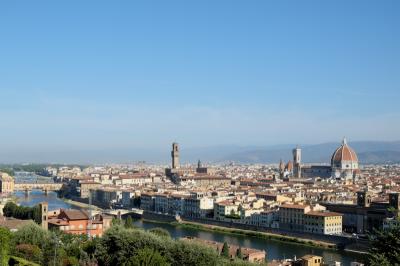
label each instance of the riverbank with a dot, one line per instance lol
(81, 204)
(250, 233)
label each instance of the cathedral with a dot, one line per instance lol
(343, 166)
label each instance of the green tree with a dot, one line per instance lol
(147, 257)
(184, 253)
(116, 221)
(225, 250)
(119, 244)
(5, 241)
(23, 212)
(161, 232)
(29, 252)
(129, 222)
(9, 209)
(385, 247)
(31, 234)
(239, 254)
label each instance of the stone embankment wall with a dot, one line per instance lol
(158, 217)
(341, 242)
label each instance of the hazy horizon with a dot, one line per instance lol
(189, 154)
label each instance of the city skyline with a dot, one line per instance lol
(101, 76)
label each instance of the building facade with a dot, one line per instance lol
(6, 183)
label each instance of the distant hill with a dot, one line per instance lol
(368, 152)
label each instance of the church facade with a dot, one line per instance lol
(343, 166)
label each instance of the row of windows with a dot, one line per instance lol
(72, 227)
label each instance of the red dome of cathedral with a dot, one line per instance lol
(344, 154)
(289, 166)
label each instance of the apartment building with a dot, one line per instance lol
(327, 223)
(85, 186)
(198, 207)
(106, 196)
(79, 222)
(309, 219)
(225, 208)
(133, 179)
(6, 183)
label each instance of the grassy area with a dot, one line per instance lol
(250, 233)
(21, 262)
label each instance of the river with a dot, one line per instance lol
(275, 249)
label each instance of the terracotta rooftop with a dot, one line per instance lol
(75, 214)
(294, 206)
(323, 213)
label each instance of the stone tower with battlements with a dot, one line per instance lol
(175, 155)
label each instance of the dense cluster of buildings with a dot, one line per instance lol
(330, 199)
(342, 199)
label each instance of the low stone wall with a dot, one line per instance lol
(158, 217)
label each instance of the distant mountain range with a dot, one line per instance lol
(369, 152)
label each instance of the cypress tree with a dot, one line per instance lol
(225, 250)
(129, 222)
(239, 254)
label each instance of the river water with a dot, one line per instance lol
(275, 249)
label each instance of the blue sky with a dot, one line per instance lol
(110, 74)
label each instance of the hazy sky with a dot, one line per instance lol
(110, 74)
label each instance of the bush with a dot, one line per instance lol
(119, 243)
(147, 257)
(29, 252)
(31, 234)
(20, 262)
(5, 239)
(187, 254)
(161, 232)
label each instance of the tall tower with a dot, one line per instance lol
(175, 155)
(44, 208)
(297, 162)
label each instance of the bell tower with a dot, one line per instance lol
(297, 162)
(175, 155)
(394, 200)
(44, 209)
(364, 198)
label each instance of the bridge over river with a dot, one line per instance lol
(46, 187)
(26, 181)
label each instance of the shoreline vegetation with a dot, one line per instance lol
(233, 231)
(262, 235)
(251, 233)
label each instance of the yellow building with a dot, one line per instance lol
(309, 219)
(6, 183)
(311, 260)
(327, 223)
